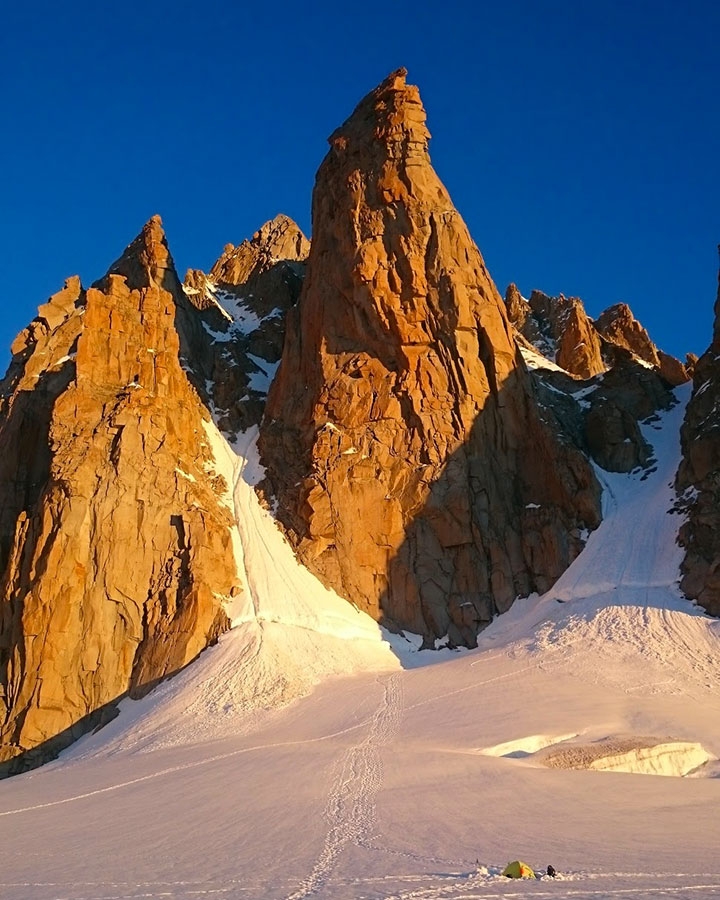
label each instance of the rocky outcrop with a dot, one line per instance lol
(560, 330)
(618, 326)
(577, 346)
(410, 463)
(603, 415)
(244, 300)
(698, 479)
(115, 549)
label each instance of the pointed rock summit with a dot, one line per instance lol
(401, 412)
(115, 546)
(279, 240)
(618, 326)
(147, 260)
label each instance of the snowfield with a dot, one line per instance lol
(310, 755)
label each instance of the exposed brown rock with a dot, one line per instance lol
(602, 415)
(559, 329)
(614, 438)
(114, 543)
(403, 442)
(518, 309)
(199, 289)
(621, 328)
(672, 370)
(698, 479)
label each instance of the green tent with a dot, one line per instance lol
(518, 869)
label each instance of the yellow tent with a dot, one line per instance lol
(518, 869)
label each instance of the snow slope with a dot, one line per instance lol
(306, 756)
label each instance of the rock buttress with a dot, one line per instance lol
(115, 546)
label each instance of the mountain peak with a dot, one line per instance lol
(146, 260)
(279, 239)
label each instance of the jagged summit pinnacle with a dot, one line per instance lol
(400, 394)
(390, 120)
(146, 260)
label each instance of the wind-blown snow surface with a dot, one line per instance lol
(299, 759)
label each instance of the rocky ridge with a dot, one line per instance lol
(698, 479)
(560, 329)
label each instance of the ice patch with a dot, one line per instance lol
(525, 746)
(535, 360)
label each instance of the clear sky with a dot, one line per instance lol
(579, 140)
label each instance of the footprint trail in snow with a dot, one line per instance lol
(350, 809)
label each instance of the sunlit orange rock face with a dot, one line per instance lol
(114, 540)
(699, 479)
(411, 465)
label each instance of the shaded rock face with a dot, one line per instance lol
(243, 301)
(602, 415)
(559, 328)
(410, 464)
(115, 549)
(698, 480)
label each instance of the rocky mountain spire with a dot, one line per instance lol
(114, 535)
(402, 440)
(618, 326)
(578, 347)
(147, 260)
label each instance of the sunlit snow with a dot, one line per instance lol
(310, 755)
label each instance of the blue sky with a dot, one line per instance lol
(580, 141)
